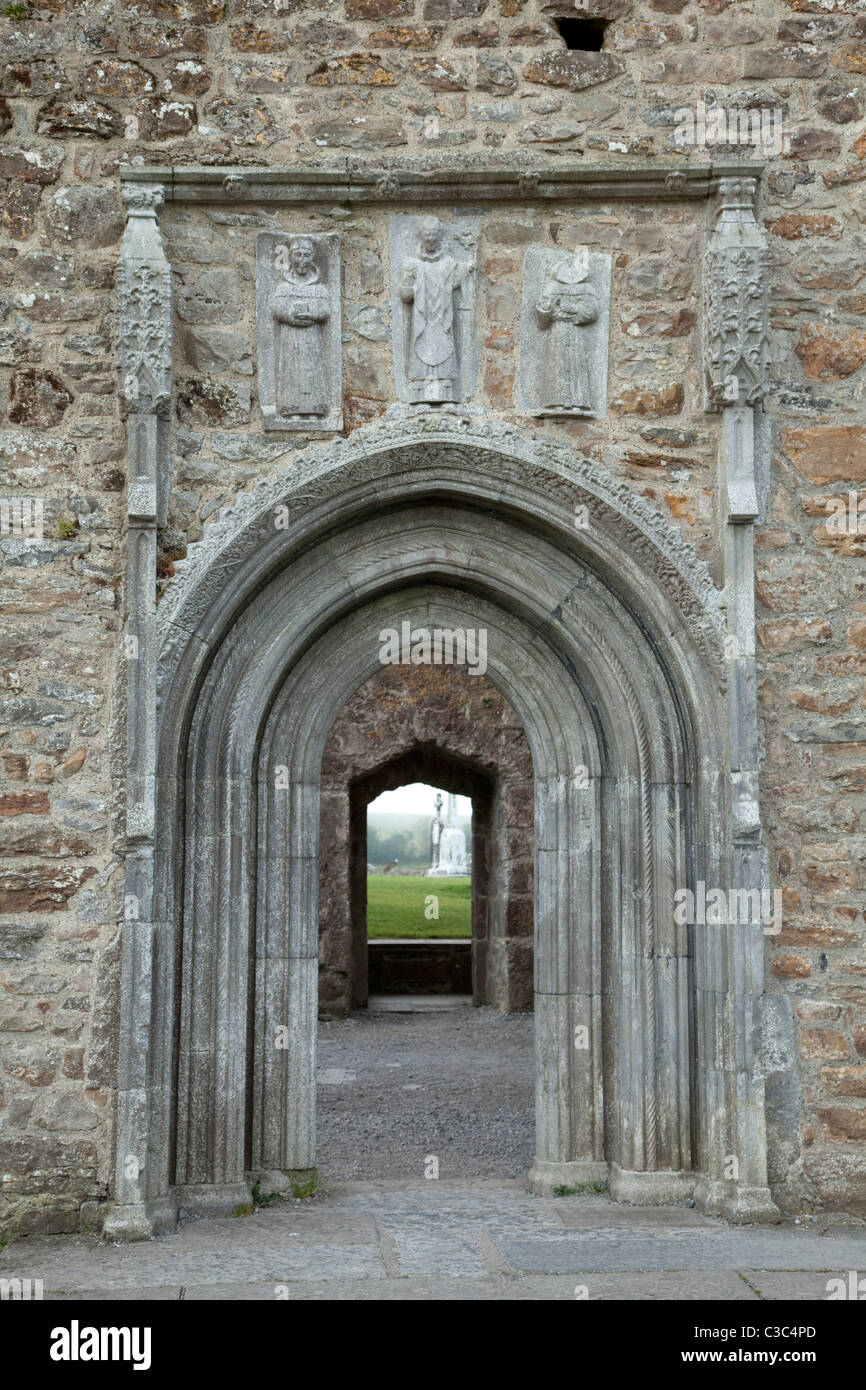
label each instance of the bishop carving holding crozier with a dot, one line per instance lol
(431, 284)
(301, 307)
(567, 304)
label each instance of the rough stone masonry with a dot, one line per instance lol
(734, 412)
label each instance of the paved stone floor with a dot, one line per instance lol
(393, 1088)
(461, 1239)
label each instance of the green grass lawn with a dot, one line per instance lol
(396, 906)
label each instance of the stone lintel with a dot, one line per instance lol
(419, 181)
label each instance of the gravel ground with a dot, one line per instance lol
(394, 1088)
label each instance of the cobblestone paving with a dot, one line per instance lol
(462, 1239)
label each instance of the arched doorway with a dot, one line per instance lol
(607, 642)
(443, 726)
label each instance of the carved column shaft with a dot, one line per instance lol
(736, 358)
(145, 324)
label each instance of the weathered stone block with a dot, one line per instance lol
(843, 1124)
(32, 78)
(851, 58)
(189, 77)
(20, 940)
(164, 41)
(829, 356)
(794, 60)
(439, 74)
(91, 217)
(493, 74)
(840, 102)
(653, 400)
(18, 204)
(111, 77)
(379, 9)
(421, 36)
(37, 398)
(29, 803)
(213, 298)
(218, 350)
(794, 226)
(249, 38)
(30, 165)
(62, 119)
(211, 402)
(248, 122)
(364, 69)
(358, 133)
(163, 120)
(40, 889)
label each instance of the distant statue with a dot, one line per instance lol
(435, 833)
(451, 860)
(301, 306)
(430, 283)
(566, 305)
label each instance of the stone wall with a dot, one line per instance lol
(85, 88)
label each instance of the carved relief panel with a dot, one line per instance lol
(298, 327)
(564, 331)
(736, 302)
(433, 278)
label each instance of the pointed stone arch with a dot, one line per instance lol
(444, 727)
(608, 641)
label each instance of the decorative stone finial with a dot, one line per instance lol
(143, 199)
(737, 194)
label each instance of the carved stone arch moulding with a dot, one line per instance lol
(608, 644)
(611, 643)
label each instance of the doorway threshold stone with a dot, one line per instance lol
(417, 1003)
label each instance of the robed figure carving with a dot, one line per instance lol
(301, 306)
(565, 306)
(432, 284)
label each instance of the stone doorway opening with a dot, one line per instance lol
(398, 1086)
(420, 886)
(444, 727)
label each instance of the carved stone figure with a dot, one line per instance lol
(564, 332)
(435, 287)
(298, 320)
(300, 309)
(567, 304)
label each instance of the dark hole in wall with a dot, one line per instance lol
(584, 34)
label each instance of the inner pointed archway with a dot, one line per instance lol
(438, 725)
